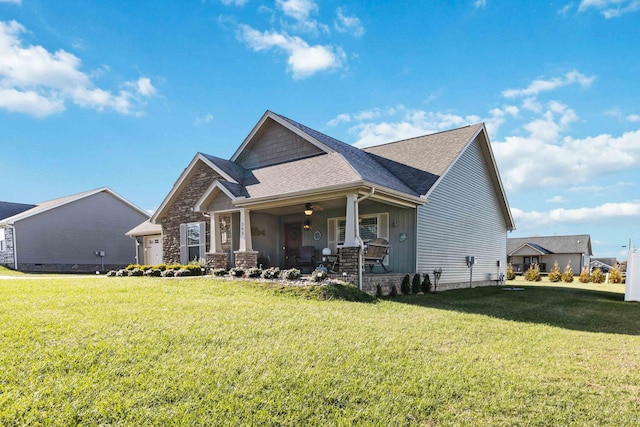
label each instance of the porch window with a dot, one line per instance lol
(192, 241)
(372, 226)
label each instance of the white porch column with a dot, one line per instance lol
(216, 245)
(351, 226)
(245, 231)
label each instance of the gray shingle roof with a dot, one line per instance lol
(364, 164)
(8, 209)
(575, 244)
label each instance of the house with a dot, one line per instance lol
(79, 233)
(289, 190)
(546, 250)
(604, 264)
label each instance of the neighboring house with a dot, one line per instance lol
(604, 264)
(546, 250)
(78, 233)
(148, 237)
(288, 189)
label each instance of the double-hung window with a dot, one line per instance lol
(192, 241)
(371, 226)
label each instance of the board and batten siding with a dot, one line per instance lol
(463, 217)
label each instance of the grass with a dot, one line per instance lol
(143, 351)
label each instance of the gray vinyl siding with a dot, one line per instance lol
(70, 234)
(276, 144)
(462, 217)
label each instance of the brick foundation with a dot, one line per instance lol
(247, 259)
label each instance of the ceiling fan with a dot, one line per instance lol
(309, 209)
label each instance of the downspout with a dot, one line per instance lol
(360, 242)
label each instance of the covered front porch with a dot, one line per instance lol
(305, 232)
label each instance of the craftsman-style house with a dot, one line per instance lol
(290, 195)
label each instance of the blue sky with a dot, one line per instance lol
(123, 94)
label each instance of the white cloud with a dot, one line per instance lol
(303, 60)
(37, 82)
(601, 189)
(565, 9)
(604, 212)
(633, 117)
(11, 1)
(479, 3)
(610, 8)
(534, 160)
(300, 10)
(556, 199)
(537, 86)
(204, 119)
(345, 23)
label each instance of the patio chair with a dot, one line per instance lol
(375, 253)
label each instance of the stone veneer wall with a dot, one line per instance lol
(349, 260)
(218, 260)
(181, 212)
(6, 256)
(248, 259)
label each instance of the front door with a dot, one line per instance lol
(292, 243)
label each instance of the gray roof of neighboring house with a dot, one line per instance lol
(8, 209)
(575, 244)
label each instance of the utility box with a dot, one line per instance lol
(470, 260)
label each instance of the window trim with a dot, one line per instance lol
(184, 241)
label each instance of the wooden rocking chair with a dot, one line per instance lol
(375, 253)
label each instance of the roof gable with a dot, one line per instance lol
(273, 141)
(55, 203)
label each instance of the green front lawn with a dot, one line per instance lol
(143, 351)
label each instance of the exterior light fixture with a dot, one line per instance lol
(307, 225)
(307, 209)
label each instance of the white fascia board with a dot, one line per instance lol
(216, 184)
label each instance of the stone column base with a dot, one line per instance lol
(349, 259)
(246, 259)
(218, 260)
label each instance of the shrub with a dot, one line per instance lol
(597, 276)
(554, 274)
(415, 284)
(319, 275)
(236, 272)
(533, 273)
(426, 284)
(182, 272)
(567, 274)
(194, 269)
(253, 272)
(511, 275)
(136, 272)
(291, 274)
(153, 272)
(161, 267)
(405, 286)
(132, 266)
(393, 292)
(271, 273)
(584, 275)
(219, 272)
(112, 273)
(379, 291)
(122, 273)
(168, 273)
(615, 274)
